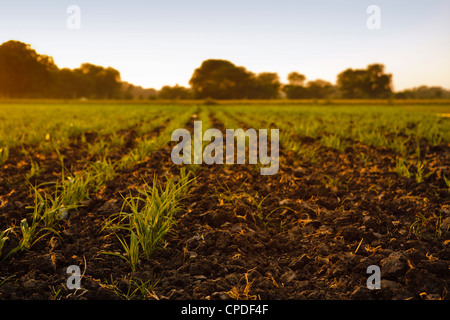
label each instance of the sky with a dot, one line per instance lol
(156, 43)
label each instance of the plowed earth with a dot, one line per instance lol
(308, 232)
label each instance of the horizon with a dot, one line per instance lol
(155, 44)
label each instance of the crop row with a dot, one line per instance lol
(399, 130)
(54, 199)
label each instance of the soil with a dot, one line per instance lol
(308, 232)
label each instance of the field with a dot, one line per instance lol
(93, 185)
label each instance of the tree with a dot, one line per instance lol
(72, 84)
(27, 74)
(296, 79)
(130, 91)
(221, 79)
(423, 92)
(23, 72)
(379, 84)
(266, 86)
(365, 83)
(319, 89)
(295, 89)
(101, 83)
(351, 83)
(174, 93)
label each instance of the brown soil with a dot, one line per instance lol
(308, 232)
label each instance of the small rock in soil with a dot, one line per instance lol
(393, 266)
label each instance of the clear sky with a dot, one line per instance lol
(153, 43)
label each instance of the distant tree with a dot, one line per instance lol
(88, 81)
(423, 92)
(174, 93)
(266, 86)
(295, 89)
(221, 79)
(127, 91)
(319, 89)
(379, 84)
(365, 83)
(296, 79)
(73, 84)
(23, 72)
(295, 92)
(352, 83)
(130, 91)
(105, 82)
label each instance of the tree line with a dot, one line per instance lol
(26, 74)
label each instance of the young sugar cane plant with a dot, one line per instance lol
(3, 238)
(49, 207)
(54, 200)
(30, 235)
(147, 218)
(101, 171)
(402, 168)
(447, 183)
(4, 154)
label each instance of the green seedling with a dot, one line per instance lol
(75, 189)
(127, 162)
(151, 223)
(49, 208)
(100, 147)
(131, 251)
(309, 153)
(149, 217)
(136, 289)
(4, 154)
(402, 168)
(28, 234)
(145, 148)
(145, 288)
(399, 145)
(155, 219)
(364, 158)
(4, 238)
(447, 183)
(335, 142)
(331, 182)
(420, 175)
(101, 172)
(116, 140)
(258, 204)
(35, 170)
(422, 227)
